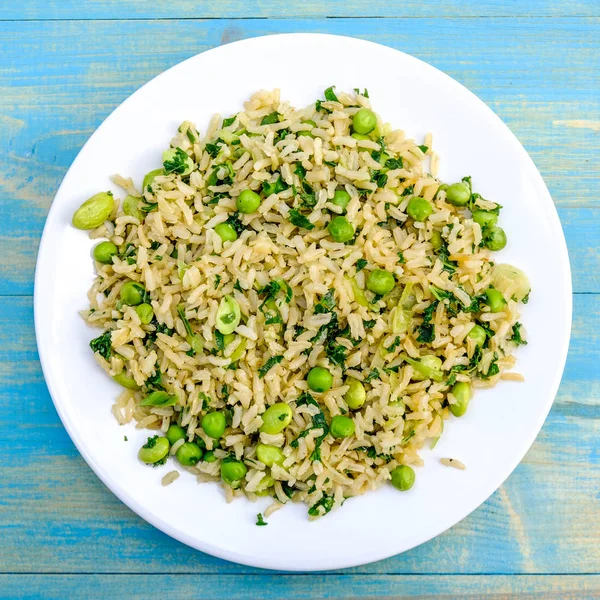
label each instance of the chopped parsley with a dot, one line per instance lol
(319, 422)
(270, 119)
(327, 303)
(428, 312)
(260, 520)
(102, 346)
(219, 341)
(274, 188)
(274, 360)
(212, 149)
(230, 121)
(330, 94)
(394, 163)
(516, 337)
(299, 220)
(426, 333)
(325, 503)
(235, 221)
(178, 164)
(424, 149)
(361, 263)
(401, 258)
(374, 374)
(217, 281)
(369, 324)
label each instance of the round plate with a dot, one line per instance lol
(471, 140)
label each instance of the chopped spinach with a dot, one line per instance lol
(361, 263)
(299, 220)
(274, 360)
(260, 521)
(270, 119)
(102, 346)
(178, 164)
(374, 374)
(330, 94)
(213, 150)
(426, 333)
(326, 503)
(516, 337)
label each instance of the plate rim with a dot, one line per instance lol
(366, 556)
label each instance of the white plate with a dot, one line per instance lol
(490, 439)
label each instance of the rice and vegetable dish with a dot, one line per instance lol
(295, 303)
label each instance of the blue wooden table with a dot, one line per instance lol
(66, 64)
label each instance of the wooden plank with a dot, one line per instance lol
(192, 9)
(50, 106)
(57, 517)
(271, 587)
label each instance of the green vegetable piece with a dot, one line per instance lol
(495, 300)
(485, 218)
(209, 457)
(403, 477)
(94, 211)
(478, 335)
(319, 379)
(341, 198)
(130, 207)
(154, 450)
(132, 293)
(341, 427)
(262, 489)
(427, 367)
(340, 229)
(233, 472)
(269, 455)
(276, 418)
(175, 160)
(360, 136)
(226, 232)
(175, 433)
(299, 220)
(458, 194)
(505, 276)
(419, 208)
(214, 424)
(436, 239)
(356, 395)
(189, 454)
(247, 202)
(495, 239)
(145, 313)
(104, 252)
(127, 382)
(461, 390)
(228, 315)
(380, 282)
(159, 398)
(364, 121)
(150, 177)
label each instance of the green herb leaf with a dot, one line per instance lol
(426, 333)
(322, 507)
(228, 122)
(361, 263)
(274, 188)
(102, 346)
(178, 164)
(423, 149)
(330, 94)
(260, 521)
(394, 163)
(374, 374)
(274, 360)
(213, 150)
(299, 220)
(159, 398)
(326, 304)
(516, 337)
(270, 119)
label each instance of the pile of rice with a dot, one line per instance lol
(175, 254)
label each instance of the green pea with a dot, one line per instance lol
(341, 198)
(319, 379)
(127, 382)
(175, 433)
(233, 472)
(132, 293)
(340, 229)
(356, 395)
(276, 418)
(247, 202)
(229, 315)
(150, 177)
(145, 313)
(214, 424)
(478, 335)
(104, 252)
(436, 239)
(209, 457)
(419, 209)
(175, 155)
(130, 207)
(189, 454)
(484, 218)
(341, 427)
(458, 194)
(226, 232)
(154, 450)
(403, 477)
(443, 187)
(263, 487)
(495, 239)
(94, 211)
(495, 300)
(269, 455)
(360, 136)
(380, 282)
(364, 121)
(461, 390)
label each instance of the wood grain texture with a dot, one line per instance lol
(62, 519)
(49, 108)
(203, 9)
(296, 587)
